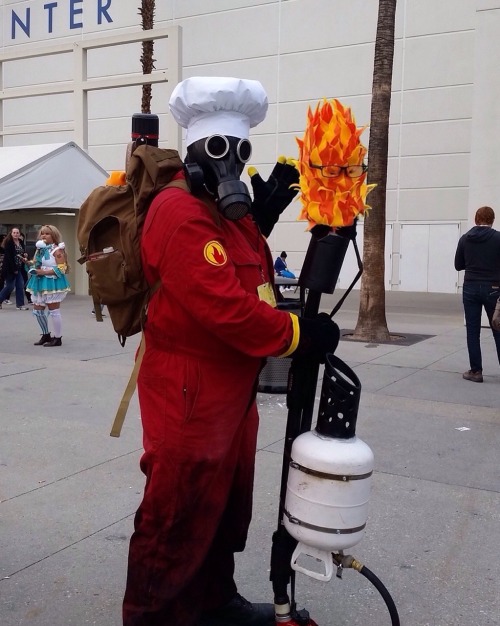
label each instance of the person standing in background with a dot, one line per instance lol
(2, 252)
(24, 270)
(2, 280)
(13, 261)
(48, 284)
(478, 253)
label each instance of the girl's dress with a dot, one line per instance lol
(48, 289)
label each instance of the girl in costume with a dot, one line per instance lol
(48, 284)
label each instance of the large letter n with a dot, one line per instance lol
(24, 25)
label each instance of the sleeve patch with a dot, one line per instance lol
(214, 253)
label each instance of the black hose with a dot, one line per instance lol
(377, 583)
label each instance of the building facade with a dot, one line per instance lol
(66, 77)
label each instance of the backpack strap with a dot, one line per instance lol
(179, 183)
(116, 429)
(97, 307)
(121, 413)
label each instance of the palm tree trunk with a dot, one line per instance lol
(147, 12)
(372, 324)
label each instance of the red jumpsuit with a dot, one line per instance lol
(206, 337)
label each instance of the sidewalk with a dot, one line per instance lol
(68, 491)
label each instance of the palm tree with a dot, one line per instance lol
(372, 324)
(147, 13)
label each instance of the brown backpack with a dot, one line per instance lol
(109, 231)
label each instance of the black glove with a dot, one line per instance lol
(318, 336)
(271, 197)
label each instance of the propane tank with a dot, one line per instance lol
(329, 479)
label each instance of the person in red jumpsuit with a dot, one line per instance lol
(210, 326)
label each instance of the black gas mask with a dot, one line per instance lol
(216, 164)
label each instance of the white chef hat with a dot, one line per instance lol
(208, 106)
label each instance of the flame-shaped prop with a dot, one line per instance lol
(331, 138)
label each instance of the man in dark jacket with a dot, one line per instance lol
(478, 253)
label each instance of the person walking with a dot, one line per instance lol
(478, 253)
(13, 261)
(48, 283)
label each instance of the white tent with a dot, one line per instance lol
(56, 176)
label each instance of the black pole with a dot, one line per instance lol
(320, 272)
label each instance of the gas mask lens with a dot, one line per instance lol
(217, 146)
(244, 150)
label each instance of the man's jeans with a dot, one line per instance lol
(475, 296)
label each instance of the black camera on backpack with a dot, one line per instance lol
(145, 129)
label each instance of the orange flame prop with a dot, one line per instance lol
(331, 138)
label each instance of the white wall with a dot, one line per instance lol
(444, 116)
(485, 160)
(430, 247)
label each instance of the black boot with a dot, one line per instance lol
(240, 612)
(43, 339)
(55, 341)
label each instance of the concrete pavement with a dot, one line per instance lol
(68, 492)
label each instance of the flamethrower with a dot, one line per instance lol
(326, 472)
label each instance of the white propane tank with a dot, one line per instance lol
(326, 503)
